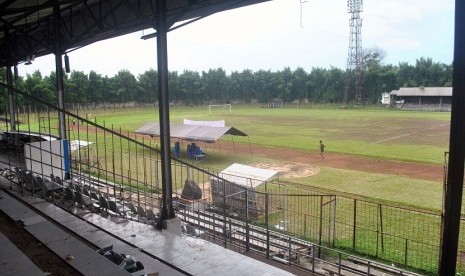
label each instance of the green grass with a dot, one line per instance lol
(379, 187)
(390, 234)
(384, 134)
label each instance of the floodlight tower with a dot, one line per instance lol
(354, 58)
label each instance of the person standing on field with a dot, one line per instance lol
(322, 150)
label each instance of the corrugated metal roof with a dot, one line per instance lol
(189, 132)
(27, 27)
(246, 176)
(424, 91)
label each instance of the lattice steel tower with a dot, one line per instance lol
(354, 58)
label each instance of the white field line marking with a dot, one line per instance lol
(407, 134)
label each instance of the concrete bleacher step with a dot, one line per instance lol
(167, 253)
(81, 257)
(14, 262)
(99, 237)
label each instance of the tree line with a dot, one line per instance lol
(319, 85)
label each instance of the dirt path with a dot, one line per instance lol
(342, 161)
(333, 160)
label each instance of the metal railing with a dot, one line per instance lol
(291, 225)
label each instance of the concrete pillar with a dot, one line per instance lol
(167, 212)
(59, 70)
(11, 106)
(453, 198)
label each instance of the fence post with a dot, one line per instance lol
(313, 257)
(224, 211)
(198, 219)
(267, 228)
(334, 220)
(321, 221)
(381, 225)
(406, 252)
(230, 231)
(247, 245)
(225, 223)
(355, 225)
(290, 251)
(214, 227)
(305, 225)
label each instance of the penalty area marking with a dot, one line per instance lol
(407, 134)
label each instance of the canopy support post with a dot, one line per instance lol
(234, 146)
(250, 146)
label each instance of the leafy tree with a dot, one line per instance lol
(148, 87)
(242, 86)
(95, 87)
(406, 75)
(284, 84)
(40, 87)
(125, 85)
(300, 81)
(173, 85)
(76, 87)
(317, 84)
(215, 86)
(190, 87)
(429, 73)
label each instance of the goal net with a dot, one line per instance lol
(223, 108)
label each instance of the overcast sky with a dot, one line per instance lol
(274, 35)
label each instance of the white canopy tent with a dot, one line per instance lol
(220, 123)
(208, 134)
(77, 144)
(194, 131)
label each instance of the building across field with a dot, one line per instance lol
(419, 98)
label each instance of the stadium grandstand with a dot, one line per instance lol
(419, 98)
(125, 214)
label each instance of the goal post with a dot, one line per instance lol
(223, 107)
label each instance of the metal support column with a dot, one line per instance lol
(167, 211)
(59, 70)
(11, 106)
(453, 197)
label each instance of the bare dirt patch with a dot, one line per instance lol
(333, 160)
(290, 170)
(341, 161)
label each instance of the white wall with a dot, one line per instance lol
(47, 157)
(386, 98)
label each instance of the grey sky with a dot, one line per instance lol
(271, 36)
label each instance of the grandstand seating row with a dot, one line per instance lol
(71, 194)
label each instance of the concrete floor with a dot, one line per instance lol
(159, 251)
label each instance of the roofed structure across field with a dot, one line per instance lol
(420, 98)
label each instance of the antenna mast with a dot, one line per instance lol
(354, 58)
